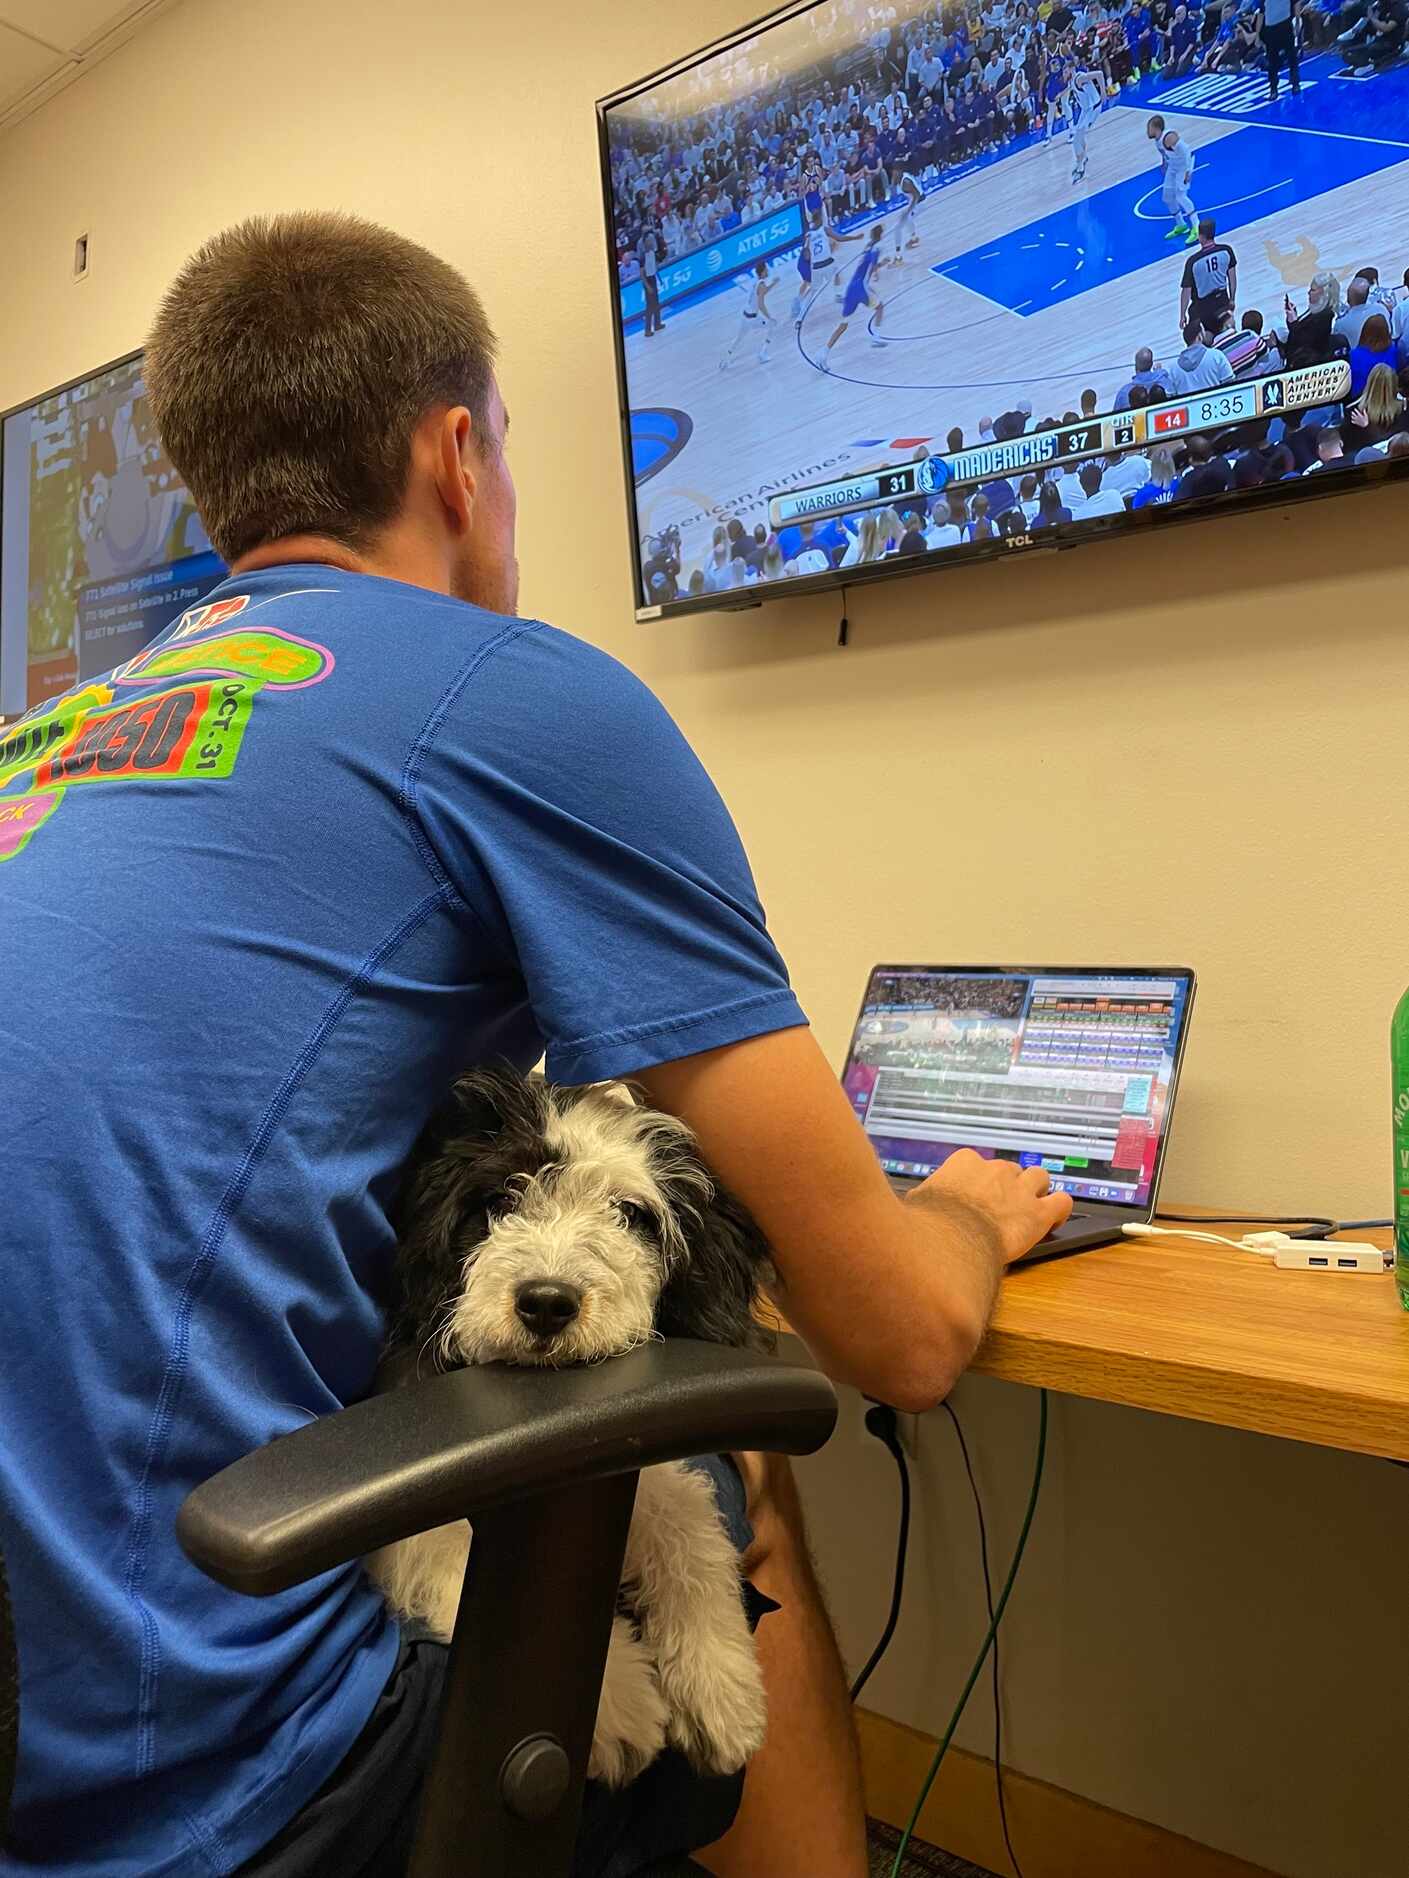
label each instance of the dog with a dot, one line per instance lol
(551, 1225)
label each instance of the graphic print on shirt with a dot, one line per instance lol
(189, 729)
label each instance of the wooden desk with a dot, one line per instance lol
(1214, 1335)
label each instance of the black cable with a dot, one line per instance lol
(999, 1608)
(1313, 1227)
(881, 1422)
(950, 1411)
(844, 638)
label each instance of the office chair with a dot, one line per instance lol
(544, 1464)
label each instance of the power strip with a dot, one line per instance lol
(1288, 1254)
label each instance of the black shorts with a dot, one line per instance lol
(363, 1821)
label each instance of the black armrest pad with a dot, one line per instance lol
(452, 1446)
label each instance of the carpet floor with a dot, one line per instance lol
(921, 1860)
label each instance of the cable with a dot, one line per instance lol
(1006, 1593)
(881, 1422)
(1314, 1227)
(952, 1413)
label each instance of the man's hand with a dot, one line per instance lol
(1015, 1204)
(889, 1295)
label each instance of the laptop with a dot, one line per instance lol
(1069, 1067)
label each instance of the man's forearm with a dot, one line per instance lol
(920, 1311)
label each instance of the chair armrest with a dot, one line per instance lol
(456, 1445)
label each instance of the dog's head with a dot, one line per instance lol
(551, 1225)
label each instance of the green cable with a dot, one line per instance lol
(999, 1608)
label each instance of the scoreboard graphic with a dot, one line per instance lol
(1043, 450)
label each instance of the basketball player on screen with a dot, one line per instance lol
(911, 194)
(1083, 107)
(754, 319)
(1176, 174)
(816, 257)
(858, 292)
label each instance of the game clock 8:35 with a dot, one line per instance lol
(1226, 407)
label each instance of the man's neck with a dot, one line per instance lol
(394, 556)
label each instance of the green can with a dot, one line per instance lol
(1399, 1076)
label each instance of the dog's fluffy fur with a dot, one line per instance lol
(521, 1183)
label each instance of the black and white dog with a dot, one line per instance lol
(550, 1225)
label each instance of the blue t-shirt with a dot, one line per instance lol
(265, 891)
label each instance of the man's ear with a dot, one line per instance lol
(455, 462)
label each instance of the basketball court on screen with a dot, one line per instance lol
(1014, 263)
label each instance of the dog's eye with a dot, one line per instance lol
(500, 1203)
(633, 1217)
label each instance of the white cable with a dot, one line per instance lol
(1249, 1243)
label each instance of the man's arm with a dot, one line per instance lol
(890, 1295)
(1233, 282)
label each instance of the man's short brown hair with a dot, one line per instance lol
(290, 362)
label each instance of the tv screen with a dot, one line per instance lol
(100, 545)
(901, 285)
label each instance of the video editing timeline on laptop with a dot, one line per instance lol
(1061, 1070)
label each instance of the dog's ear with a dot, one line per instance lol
(443, 1204)
(444, 1210)
(492, 1100)
(712, 1292)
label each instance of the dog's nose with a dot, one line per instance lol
(547, 1307)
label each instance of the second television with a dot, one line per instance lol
(897, 286)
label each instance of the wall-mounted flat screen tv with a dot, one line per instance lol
(899, 285)
(100, 543)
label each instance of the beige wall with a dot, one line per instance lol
(1186, 749)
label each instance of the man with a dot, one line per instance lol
(810, 557)
(1387, 23)
(1217, 51)
(1144, 376)
(1176, 174)
(1208, 290)
(1279, 18)
(1268, 357)
(371, 833)
(1199, 366)
(1330, 451)
(858, 294)
(1094, 499)
(1083, 107)
(1242, 346)
(650, 286)
(1008, 424)
(1357, 310)
(1183, 43)
(755, 321)
(1138, 39)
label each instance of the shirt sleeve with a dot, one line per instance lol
(571, 816)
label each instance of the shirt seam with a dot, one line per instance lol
(635, 1033)
(137, 1553)
(407, 795)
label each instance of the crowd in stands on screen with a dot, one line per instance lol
(1366, 324)
(953, 82)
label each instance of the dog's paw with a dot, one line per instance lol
(713, 1689)
(631, 1716)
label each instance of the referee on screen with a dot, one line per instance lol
(1279, 18)
(1209, 288)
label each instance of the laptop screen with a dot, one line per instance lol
(1070, 1070)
